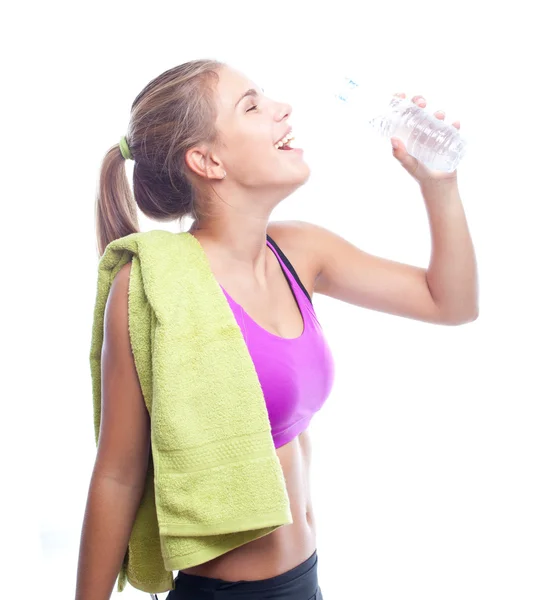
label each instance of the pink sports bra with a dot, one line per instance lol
(296, 375)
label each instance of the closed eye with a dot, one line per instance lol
(252, 108)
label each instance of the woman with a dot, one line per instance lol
(206, 142)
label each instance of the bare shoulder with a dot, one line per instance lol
(116, 311)
(299, 242)
(121, 280)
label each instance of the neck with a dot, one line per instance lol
(236, 226)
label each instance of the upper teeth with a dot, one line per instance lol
(284, 141)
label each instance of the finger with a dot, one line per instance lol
(419, 100)
(400, 153)
(398, 147)
(400, 94)
(440, 114)
(457, 124)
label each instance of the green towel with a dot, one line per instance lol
(214, 480)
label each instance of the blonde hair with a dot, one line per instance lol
(173, 113)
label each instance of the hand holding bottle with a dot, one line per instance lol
(435, 145)
(413, 166)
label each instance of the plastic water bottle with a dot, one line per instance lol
(434, 143)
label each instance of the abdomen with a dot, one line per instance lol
(286, 547)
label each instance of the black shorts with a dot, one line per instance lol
(299, 583)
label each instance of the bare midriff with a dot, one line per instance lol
(287, 546)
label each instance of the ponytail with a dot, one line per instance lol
(174, 112)
(115, 209)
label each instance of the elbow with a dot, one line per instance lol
(460, 318)
(468, 319)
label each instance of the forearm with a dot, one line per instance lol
(109, 516)
(452, 272)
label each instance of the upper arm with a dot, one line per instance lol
(356, 277)
(340, 270)
(124, 438)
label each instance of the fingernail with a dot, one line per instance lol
(395, 144)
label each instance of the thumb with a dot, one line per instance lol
(400, 153)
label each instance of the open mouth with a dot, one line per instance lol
(286, 143)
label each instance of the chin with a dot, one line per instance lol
(296, 182)
(304, 174)
(291, 181)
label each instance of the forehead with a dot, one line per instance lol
(232, 84)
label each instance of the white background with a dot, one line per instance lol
(423, 462)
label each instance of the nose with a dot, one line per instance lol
(283, 111)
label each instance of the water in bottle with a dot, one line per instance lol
(434, 143)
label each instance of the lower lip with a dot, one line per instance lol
(293, 151)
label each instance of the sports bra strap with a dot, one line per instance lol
(289, 266)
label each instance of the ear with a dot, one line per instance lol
(204, 163)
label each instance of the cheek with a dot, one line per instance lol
(251, 157)
(251, 150)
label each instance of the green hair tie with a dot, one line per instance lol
(125, 150)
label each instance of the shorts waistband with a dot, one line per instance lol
(299, 581)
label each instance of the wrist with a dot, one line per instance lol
(446, 184)
(433, 190)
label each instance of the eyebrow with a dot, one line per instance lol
(250, 92)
